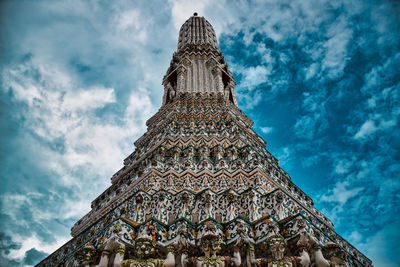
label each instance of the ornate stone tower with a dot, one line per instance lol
(201, 189)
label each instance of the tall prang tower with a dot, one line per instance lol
(201, 189)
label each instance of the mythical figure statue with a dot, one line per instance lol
(210, 245)
(335, 255)
(277, 246)
(139, 215)
(162, 206)
(146, 251)
(317, 256)
(208, 205)
(112, 253)
(231, 208)
(303, 245)
(254, 214)
(186, 203)
(87, 255)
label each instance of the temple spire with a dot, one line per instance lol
(198, 66)
(197, 31)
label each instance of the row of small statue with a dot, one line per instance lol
(146, 249)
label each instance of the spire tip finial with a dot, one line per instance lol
(195, 14)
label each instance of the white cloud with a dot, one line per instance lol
(312, 71)
(254, 76)
(378, 122)
(34, 242)
(87, 99)
(132, 25)
(139, 107)
(355, 237)
(336, 55)
(249, 99)
(266, 54)
(382, 103)
(266, 130)
(341, 193)
(183, 9)
(58, 112)
(305, 127)
(284, 155)
(313, 121)
(343, 166)
(251, 78)
(366, 129)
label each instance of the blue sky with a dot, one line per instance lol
(320, 79)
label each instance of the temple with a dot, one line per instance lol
(201, 189)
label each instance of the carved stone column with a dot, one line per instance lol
(105, 257)
(181, 81)
(229, 91)
(119, 256)
(219, 86)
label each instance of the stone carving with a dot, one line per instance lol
(335, 255)
(210, 244)
(112, 248)
(139, 214)
(253, 207)
(197, 31)
(317, 255)
(303, 245)
(87, 255)
(146, 250)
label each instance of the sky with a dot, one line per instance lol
(79, 79)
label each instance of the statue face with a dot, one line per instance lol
(144, 249)
(231, 197)
(185, 198)
(277, 248)
(271, 226)
(210, 245)
(205, 248)
(335, 253)
(139, 199)
(301, 224)
(215, 246)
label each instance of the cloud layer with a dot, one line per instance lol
(79, 80)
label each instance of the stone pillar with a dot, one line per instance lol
(229, 90)
(319, 258)
(169, 92)
(180, 87)
(209, 66)
(119, 256)
(105, 257)
(170, 260)
(219, 86)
